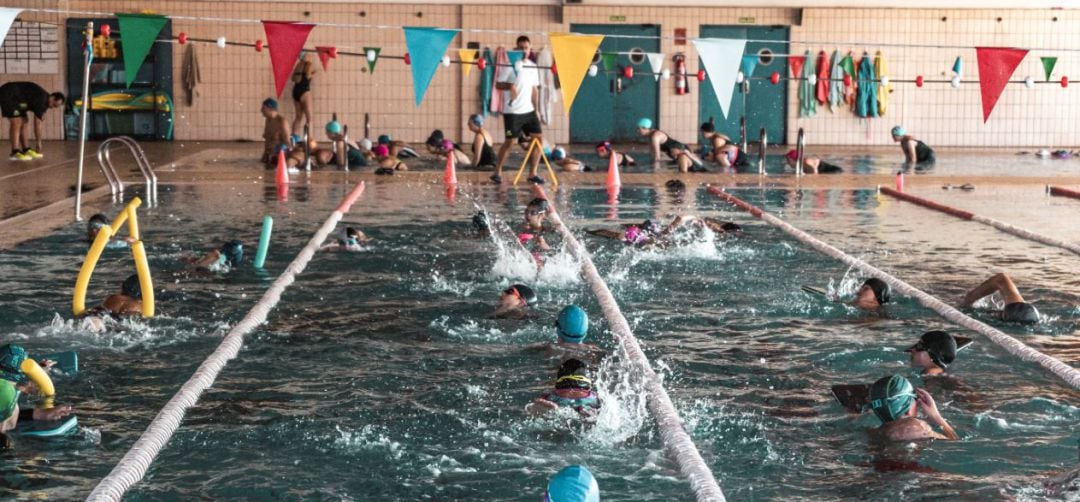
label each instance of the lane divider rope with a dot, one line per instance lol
(672, 433)
(133, 466)
(1012, 345)
(998, 224)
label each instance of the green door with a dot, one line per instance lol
(766, 104)
(609, 105)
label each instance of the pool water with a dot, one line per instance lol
(379, 376)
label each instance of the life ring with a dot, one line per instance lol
(138, 253)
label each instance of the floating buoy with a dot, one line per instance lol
(446, 61)
(918, 81)
(593, 70)
(628, 72)
(518, 65)
(884, 80)
(371, 55)
(665, 74)
(408, 60)
(1029, 82)
(812, 79)
(554, 71)
(701, 75)
(258, 46)
(182, 38)
(774, 78)
(955, 82)
(1064, 81)
(740, 77)
(221, 42)
(481, 63)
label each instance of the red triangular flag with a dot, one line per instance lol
(286, 39)
(796, 64)
(325, 55)
(996, 66)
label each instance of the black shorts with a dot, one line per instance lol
(11, 106)
(519, 125)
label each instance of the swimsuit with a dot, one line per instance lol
(577, 403)
(825, 167)
(301, 87)
(670, 144)
(923, 153)
(487, 155)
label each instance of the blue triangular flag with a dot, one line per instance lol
(958, 66)
(748, 65)
(426, 48)
(514, 57)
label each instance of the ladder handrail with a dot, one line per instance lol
(762, 146)
(115, 184)
(105, 160)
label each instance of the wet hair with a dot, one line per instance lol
(59, 96)
(882, 291)
(480, 221)
(538, 204)
(351, 232)
(708, 127)
(731, 227)
(132, 287)
(97, 221)
(604, 144)
(675, 185)
(521, 39)
(650, 227)
(233, 251)
(436, 138)
(573, 374)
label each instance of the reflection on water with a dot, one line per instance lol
(379, 372)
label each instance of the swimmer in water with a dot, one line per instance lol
(531, 235)
(915, 151)
(811, 165)
(898, 404)
(223, 259)
(872, 294)
(571, 328)
(573, 389)
(1016, 309)
(387, 163)
(604, 151)
(560, 158)
(351, 240)
(13, 380)
(659, 141)
(933, 353)
(481, 225)
(514, 303)
(574, 483)
(94, 226)
(397, 148)
(650, 233)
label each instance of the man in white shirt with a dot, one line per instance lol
(520, 95)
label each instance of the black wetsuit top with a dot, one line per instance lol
(923, 153)
(670, 144)
(487, 155)
(825, 167)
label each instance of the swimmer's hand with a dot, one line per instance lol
(52, 413)
(540, 406)
(929, 408)
(46, 363)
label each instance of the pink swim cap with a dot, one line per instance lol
(634, 235)
(792, 155)
(447, 145)
(524, 238)
(381, 151)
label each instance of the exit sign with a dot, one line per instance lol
(746, 20)
(617, 19)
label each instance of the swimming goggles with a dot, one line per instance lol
(574, 378)
(883, 403)
(514, 291)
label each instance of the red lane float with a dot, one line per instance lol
(1063, 192)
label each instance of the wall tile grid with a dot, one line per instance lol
(235, 80)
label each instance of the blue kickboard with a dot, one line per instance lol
(46, 428)
(67, 363)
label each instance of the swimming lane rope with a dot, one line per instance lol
(1062, 192)
(1013, 346)
(998, 224)
(137, 460)
(674, 436)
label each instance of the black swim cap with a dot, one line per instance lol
(351, 232)
(97, 221)
(731, 227)
(675, 185)
(651, 227)
(526, 293)
(538, 204)
(233, 251)
(132, 287)
(708, 127)
(1020, 312)
(939, 345)
(436, 138)
(882, 291)
(480, 221)
(573, 374)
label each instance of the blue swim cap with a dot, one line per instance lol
(645, 123)
(132, 287)
(270, 103)
(384, 139)
(573, 324)
(891, 397)
(333, 127)
(476, 120)
(233, 251)
(898, 131)
(574, 483)
(11, 359)
(558, 153)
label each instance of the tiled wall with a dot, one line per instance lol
(235, 79)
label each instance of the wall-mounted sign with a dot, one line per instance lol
(747, 20)
(680, 36)
(617, 19)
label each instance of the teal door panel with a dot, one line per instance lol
(766, 104)
(609, 105)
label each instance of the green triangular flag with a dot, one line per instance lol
(1048, 65)
(848, 65)
(137, 35)
(372, 55)
(609, 61)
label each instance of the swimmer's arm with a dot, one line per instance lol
(629, 160)
(11, 421)
(603, 232)
(929, 408)
(208, 259)
(37, 131)
(909, 150)
(654, 147)
(539, 406)
(54, 413)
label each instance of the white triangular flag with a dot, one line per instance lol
(722, 58)
(7, 16)
(656, 61)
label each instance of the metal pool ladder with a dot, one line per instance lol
(115, 184)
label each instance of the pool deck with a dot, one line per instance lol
(38, 197)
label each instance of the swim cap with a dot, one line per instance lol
(97, 221)
(538, 204)
(651, 227)
(476, 120)
(447, 145)
(645, 123)
(526, 293)
(384, 139)
(11, 359)
(573, 324)
(270, 103)
(793, 155)
(366, 144)
(634, 235)
(434, 140)
(939, 345)
(891, 397)
(233, 251)
(675, 185)
(132, 287)
(898, 131)
(9, 398)
(882, 291)
(708, 127)
(333, 127)
(606, 145)
(558, 153)
(480, 221)
(1020, 312)
(381, 150)
(573, 374)
(574, 483)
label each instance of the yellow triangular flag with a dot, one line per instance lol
(467, 56)
(573, 55)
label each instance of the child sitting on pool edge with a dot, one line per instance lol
(387, 163)
(573, 390)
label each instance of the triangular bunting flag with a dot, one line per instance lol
(426, 48)
(795, 63)
(286, 39)
(467, 57)
(137, 35)
(325, 55)
(7, 16)
(573, 54)
(958, 66)
(608, 60)
(721, 58)
(1048, 63)
(848, 64)
(371, 54)
(514, 57)
(656, 62)
(996, 66)
(749, 62)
